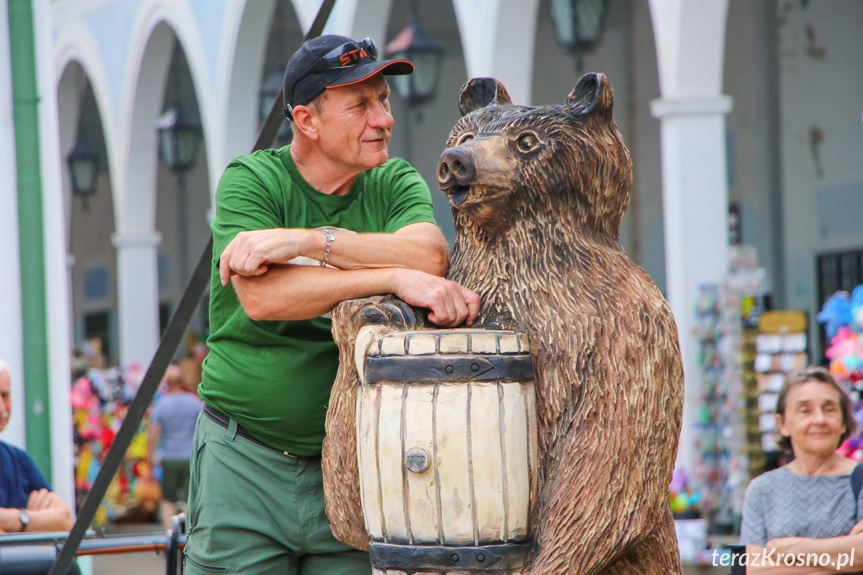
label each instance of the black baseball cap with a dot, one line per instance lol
(332, 61)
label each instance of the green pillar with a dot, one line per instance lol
(25, 98)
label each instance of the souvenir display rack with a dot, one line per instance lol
(728, 440)
(781, 346)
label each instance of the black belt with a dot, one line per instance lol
(224, 420)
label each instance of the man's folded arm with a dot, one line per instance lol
(419, 246)
(293, 292)
(409, 263)
(53, 515)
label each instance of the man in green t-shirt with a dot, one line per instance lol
(298, 230)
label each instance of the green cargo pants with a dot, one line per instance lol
(255, 510)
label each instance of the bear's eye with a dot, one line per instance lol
(527, 142)
(466, 137)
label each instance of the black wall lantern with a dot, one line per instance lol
(415, 44)
(179, 139)
(579, 24)
(84, 171)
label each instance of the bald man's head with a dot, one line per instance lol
(174, 377)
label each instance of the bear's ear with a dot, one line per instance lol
(478, 93)
(592, 94)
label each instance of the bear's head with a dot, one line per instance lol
(564, 164)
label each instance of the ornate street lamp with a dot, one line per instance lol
(270, 90)
(83, 163)
(579, 25)
(179, 139)
(179, 142)
(415, 44)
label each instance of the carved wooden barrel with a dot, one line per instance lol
(447, 449)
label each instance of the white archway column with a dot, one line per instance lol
(498, 38)
(137, 296)
(56, 258)
(695, 208)
(690, 48)
(11, 347)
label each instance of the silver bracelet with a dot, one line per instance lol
(329, 239)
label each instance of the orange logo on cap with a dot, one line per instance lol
(349, 58)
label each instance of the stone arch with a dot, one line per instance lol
(498, 40)
(183, 200)
(239, 80)
(77, 59)
(89, 221)
(158, 28)
(155, 32)
(79, 70)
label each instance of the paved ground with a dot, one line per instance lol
(148, 563)
(131, 563)
(151, 563)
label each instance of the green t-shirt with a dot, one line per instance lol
(274, 377)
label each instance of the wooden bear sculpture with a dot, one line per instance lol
(537, 195)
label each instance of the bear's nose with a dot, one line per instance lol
(455, 168)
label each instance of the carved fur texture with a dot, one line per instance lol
(537, 195)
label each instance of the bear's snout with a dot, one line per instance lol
(455, 172)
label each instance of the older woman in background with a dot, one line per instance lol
(807, 506)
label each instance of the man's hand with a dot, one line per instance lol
(450, 303)
(42, 499)
(250, 253)
(48, 512)
(857, 529)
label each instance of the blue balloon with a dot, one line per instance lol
(836, 313)
(856, 306)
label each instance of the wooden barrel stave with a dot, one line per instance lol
(477, 432)
(389, 462)
(420, 488)
(451, 461)
(367, 455)
(488, 455)
(516, 462)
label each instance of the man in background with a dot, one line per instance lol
(27, 503)
(173, 420)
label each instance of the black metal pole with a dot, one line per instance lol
(172, 552)
(167, 347)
